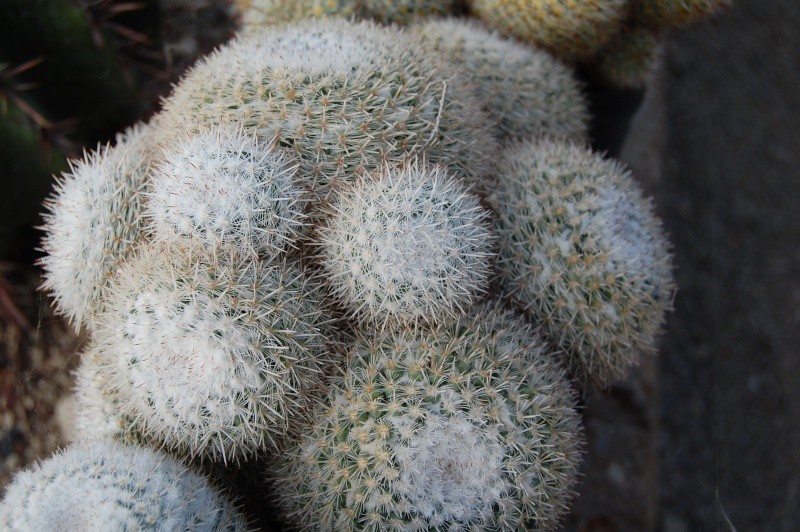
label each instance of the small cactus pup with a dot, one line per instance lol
(407, 244)
(93, 217)
(214, 356)
(224, 189)
(108, 486)
(629, 60)
(582, 251)
(468, 426)
(256, 14)
(526, 91)
(345, 97)
(571, 30)
(665, 14)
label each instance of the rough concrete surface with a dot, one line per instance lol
(729, 371)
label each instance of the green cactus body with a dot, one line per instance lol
(214, 357)
(93, 218)
(469, 425)
(571, 29)
(526, 91)
(259, 13)
(107, 486)
(345, 97)
(406, 245)
(629, 60)
(583, 253)
(664, 14)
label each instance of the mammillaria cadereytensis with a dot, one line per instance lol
(214, 356)
(226, 190)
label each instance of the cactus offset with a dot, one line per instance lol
(466, 426)
(527, 91)
(106, 486)
(213, 356)
(409, 244)
(226, 190)
(571, 30)
(583, 253)
(94, 216)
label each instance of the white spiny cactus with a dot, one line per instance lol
(527, 91)
(467, 426)
(93, 217)
(407, 244)
(107, 486)
(582, 251)
(212, 355)
(345, 97)
(225, 189)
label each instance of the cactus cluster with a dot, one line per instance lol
(629, 60)
(107, 486)
(316, 254)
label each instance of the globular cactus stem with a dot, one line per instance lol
(470, 425)
(107, 486)
(582, 251)
(407, 244)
